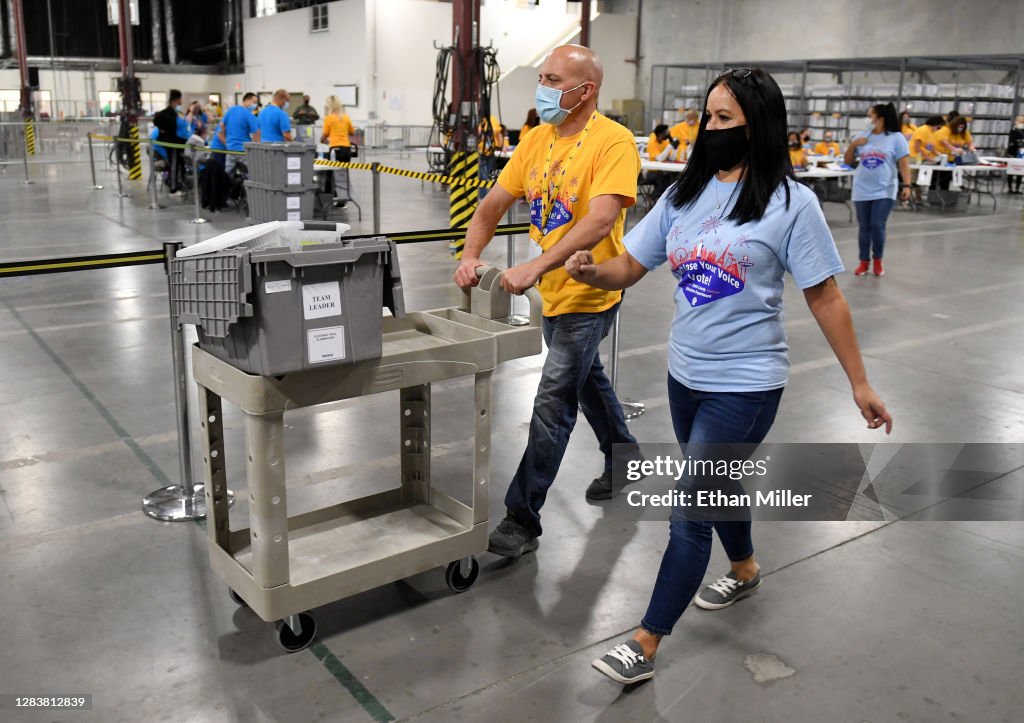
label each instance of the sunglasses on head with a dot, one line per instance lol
(737, 73)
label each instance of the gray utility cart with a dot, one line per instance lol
(281, 567)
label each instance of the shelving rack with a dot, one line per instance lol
(835, 94)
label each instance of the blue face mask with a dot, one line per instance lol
(285, 106)
(549, 104)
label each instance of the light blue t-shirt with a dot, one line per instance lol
(239, 125)
(274, 123)
(878, 173)
(728, 333)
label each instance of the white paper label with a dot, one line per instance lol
(320, 300)
(294, 216)
(276, 287)
(294, 179)
(293, 202)
(326, 344)
(294, 163)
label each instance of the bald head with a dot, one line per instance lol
(575, 63)
(280, 96)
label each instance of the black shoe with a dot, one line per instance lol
(340, 204)
(603, 489)
(510, 539)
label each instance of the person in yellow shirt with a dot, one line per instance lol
(337, 134)
(578, 172)
(828, 146)
(923, 148)
(954, 138)
(663, 147)
(797, 157)
(907, 126)
(686, 130)
(532, 121)
(492, 140)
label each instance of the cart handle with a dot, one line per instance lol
(536, 302)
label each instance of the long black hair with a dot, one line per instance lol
(887, 112)
(767, 159)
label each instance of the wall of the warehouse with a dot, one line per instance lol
(719, 31)
(399, 41)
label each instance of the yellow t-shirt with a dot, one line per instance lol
(825, 149)
(605, 162)
(957, 140)
(686, 133)
(338, 129)
(797, 157)
(496, 134)
(655, 147)
(908, 130)
(526, 129)
(922, 143)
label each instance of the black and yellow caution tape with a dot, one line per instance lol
(141, 258)
(406, 173)
(78, 263)
(462, 197)
(30, 136)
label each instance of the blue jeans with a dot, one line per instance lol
(871, 218)
(573, 378)
(704, 417)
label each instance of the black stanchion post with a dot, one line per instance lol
(375, 169)
(117, 170)
(183, 501)
(154, 201)
(92, 164)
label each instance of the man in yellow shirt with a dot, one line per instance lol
(827, 147)
(686, 130)
(578, 173)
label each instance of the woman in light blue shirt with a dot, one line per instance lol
(881, 149)
(731, 227)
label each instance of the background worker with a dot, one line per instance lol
(492, 140)
(305, 114)
(805, 141)
(797, 157)
(338, 132)
(166, 124)
(662, 147)
(827, 146)
(954, 138)
(686, 130)
(532, 121)
(579, 175)
(274, 124)
(922, 143)
(238, 128)
(1015, 149)
(907, 126)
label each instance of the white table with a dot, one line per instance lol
(668, 166)
(971, 172)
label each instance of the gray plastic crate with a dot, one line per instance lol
(286, 308)
(267, 203)
(280, 164)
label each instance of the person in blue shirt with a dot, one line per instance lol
(275, 125)
(881, 149)
(730, 228)
(237, 128)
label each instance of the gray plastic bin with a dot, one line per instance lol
(267, 203)
(281, 164)
(281, 309)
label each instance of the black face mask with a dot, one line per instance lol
(725, 148)
(794, 144)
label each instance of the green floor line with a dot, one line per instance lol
(364, 697)
(120, 431)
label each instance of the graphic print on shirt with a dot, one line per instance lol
(872, 159)
(706, 274)
(562, 209)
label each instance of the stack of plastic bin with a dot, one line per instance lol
(280, 185)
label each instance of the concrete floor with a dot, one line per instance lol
(898, 621)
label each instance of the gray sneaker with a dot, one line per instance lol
(510, 539)
(625, 663)
(726, 590)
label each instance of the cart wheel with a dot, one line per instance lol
(458, 583)
(237, 598)
(291, 642)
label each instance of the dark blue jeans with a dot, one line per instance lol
(573, 378)
(704, 417)
(871, 218)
